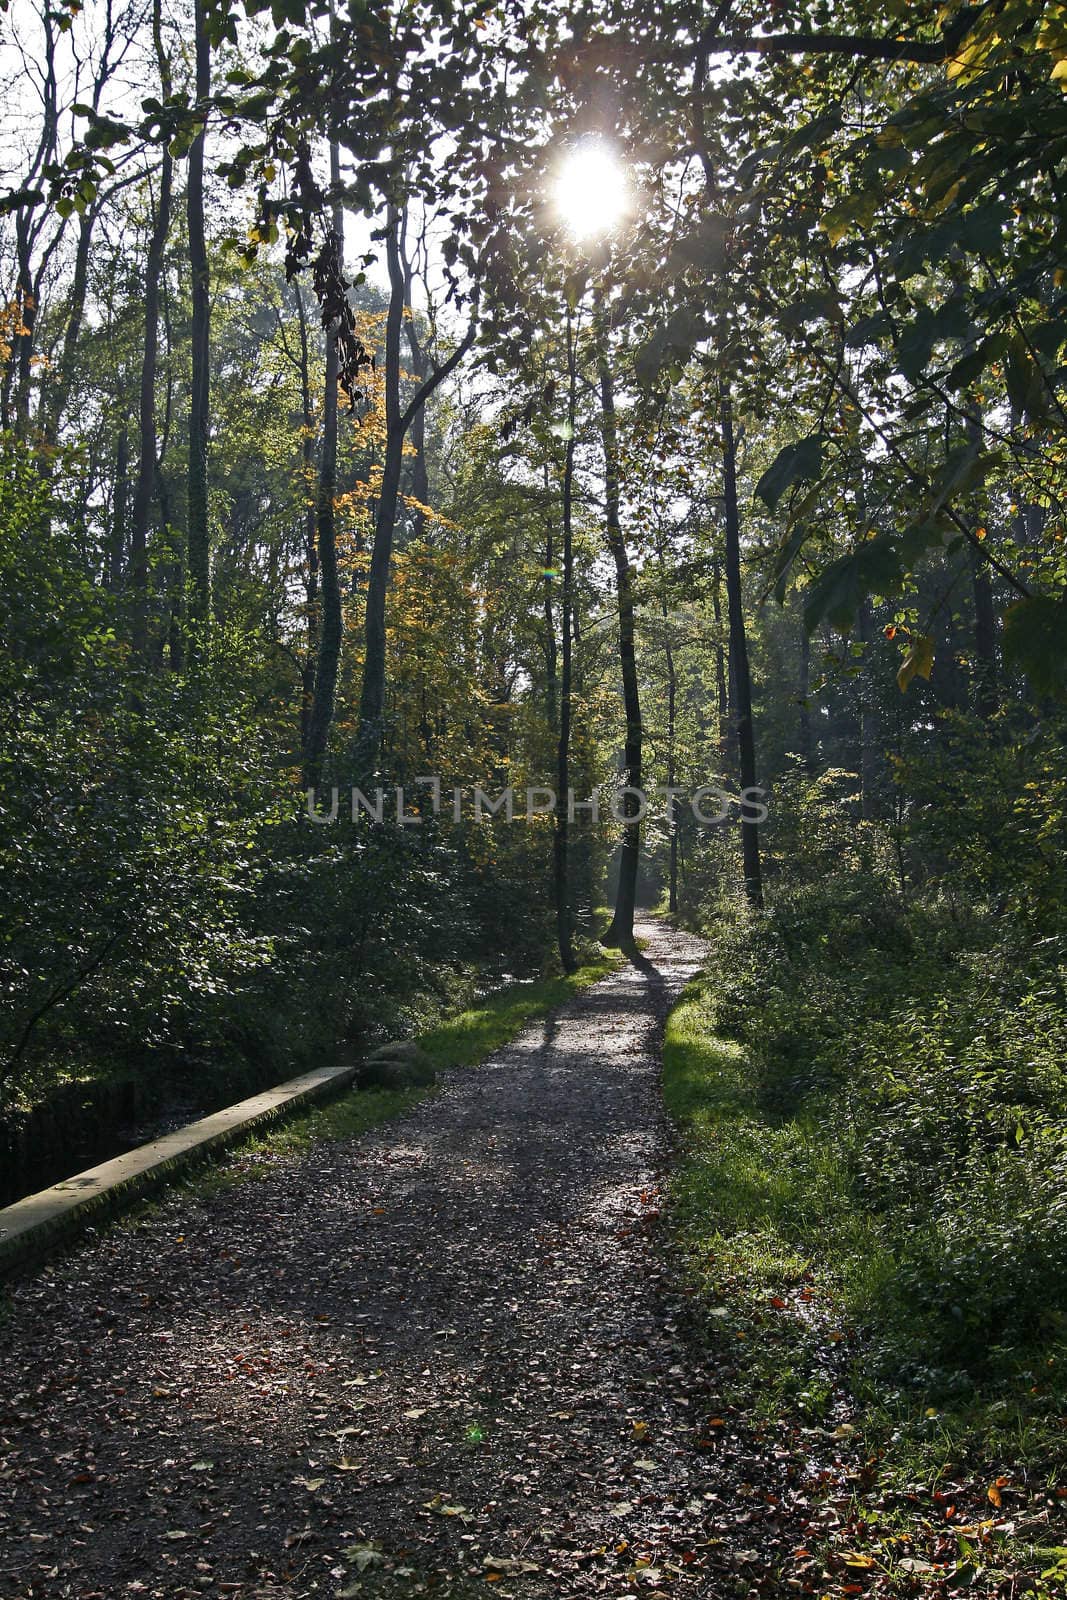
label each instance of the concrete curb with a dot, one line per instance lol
(31, 1228)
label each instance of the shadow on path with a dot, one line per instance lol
(453, 1340)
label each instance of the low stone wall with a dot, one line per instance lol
(38, 1224)
(76, 1124)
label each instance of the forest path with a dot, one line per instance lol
(444, 1355)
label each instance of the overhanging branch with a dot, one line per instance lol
(857, 46)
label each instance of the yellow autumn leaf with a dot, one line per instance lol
(918, 663)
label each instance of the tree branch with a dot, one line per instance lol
(858, 46)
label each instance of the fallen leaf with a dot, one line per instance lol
(362, 1556)
(510, 1566)
(438, 1505)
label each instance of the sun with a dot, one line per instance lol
(591, 190)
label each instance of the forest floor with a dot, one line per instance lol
(452, 1356)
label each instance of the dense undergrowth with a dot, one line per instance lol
(872, 1189)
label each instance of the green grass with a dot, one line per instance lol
(756, 1192)
(468, 1038)
(790, 1272)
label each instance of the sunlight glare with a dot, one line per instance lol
(591, 191)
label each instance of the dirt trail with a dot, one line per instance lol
(444, 1356)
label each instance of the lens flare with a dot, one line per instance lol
(591, 190)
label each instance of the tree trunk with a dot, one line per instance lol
(311, 549)
(551, 653)
(742, 683)
(148, 461)
(672, 773)
(985, 636)
(561, 835)
(172, 542)
(870, 764)
(372, 695)
(420, 477)
(116, 551)
(621, 929)
(330, 629)
(59, 393)
(398, 421)
(985, 626)
(199, 548)
(807, 750)
(722, 693)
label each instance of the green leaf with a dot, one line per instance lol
(836, 594)
(1035, 642)
(868, 330)
(1023, 380)
(974, 363)
(783, 560)
(795, 463)
(963, 470)
(950, 321)
(856, 210)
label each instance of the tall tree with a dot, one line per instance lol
(621, 929)
(739, 667)
(561, 832)
(330, 622)
(398, 421)
(199, 533)
(147, 460)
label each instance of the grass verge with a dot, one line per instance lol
(936, 1493)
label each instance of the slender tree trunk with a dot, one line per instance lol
(59, 393)
(869, 752)
(330, 627)
(561, 835)
(18, 370)
(672, 772)
(551, 653)
(172, 542)
(147, 461)
(398, 421)
(807, 751)
(199, 547)
(372, 695)
(420, 476)
(985, 636)
(25, 336)
(621, 930)
(311, 549)
(722, 693)
(116, 551)
(985, 626)
(28, 294)
(742, 683)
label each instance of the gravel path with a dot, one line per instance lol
(445, 1356)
